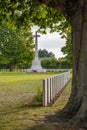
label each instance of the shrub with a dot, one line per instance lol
(37, 100)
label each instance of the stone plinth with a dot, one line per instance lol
(36, 66)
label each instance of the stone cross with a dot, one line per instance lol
(36, 64)
(36, 44)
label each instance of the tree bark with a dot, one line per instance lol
(78, 98)
(76, 108)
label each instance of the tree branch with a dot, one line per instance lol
(59, 5)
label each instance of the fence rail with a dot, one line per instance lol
(53, 85)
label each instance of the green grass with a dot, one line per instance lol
(16, 91)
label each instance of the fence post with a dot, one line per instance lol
(48, 90)
(45, 92)
(51, 92)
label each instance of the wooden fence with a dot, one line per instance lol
(53, 85)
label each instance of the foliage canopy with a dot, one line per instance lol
(29, 12)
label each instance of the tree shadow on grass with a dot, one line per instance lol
(53, 122)
(62, 123)
(47, 122)
(44, 127)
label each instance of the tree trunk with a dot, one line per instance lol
(76, 109)
(11, 66)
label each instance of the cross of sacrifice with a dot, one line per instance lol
(36, 41)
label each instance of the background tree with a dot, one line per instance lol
(67, 50)
(63, 63)
(49, 63)
(48, 60)
(16, 48)
(53, 63)
(44, 54)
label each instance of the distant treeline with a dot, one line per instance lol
(53, 63)
(49, 61)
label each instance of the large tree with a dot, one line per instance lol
(76, 13)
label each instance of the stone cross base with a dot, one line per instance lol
(36, 66)
(37, 71)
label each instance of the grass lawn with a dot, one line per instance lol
(16, 91)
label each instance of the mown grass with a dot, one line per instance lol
(16, 92)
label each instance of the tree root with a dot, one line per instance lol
(77, 120)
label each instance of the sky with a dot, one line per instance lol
(52, 42)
